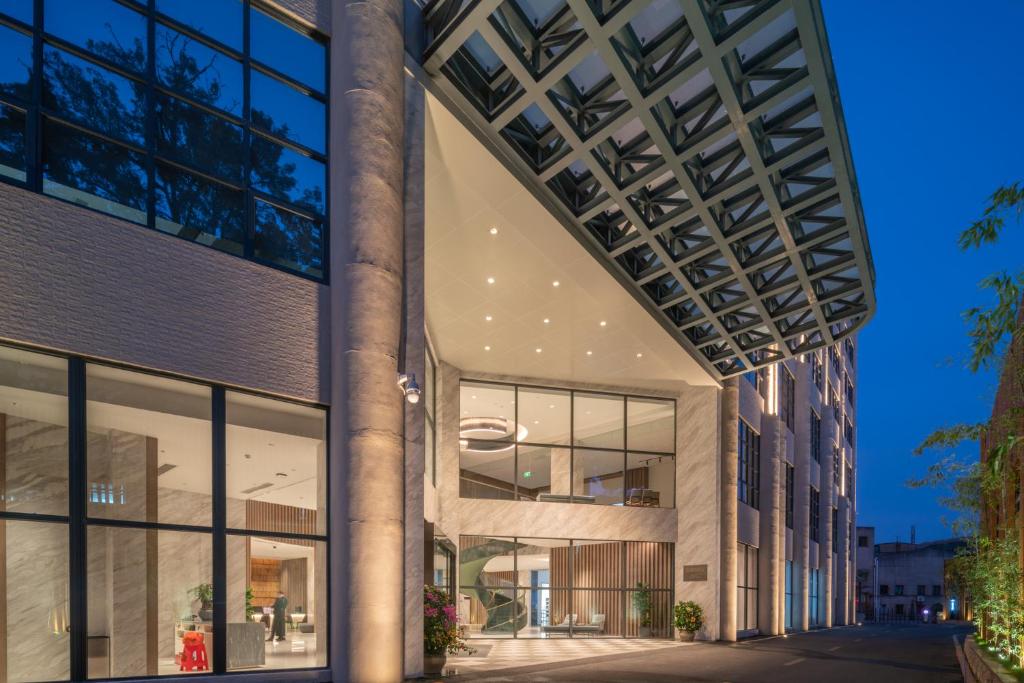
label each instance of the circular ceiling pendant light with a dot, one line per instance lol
(489, 434)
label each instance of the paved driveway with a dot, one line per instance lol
(866, 654)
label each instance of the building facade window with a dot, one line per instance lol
(899, 589)
(746, 587)
(789, 595)
(848, 384)
(936, 590)
(833, 357)
(790, 494)
(815, 436)
(787, 397)
(749, 466)
(813, 601)
(920, 589)
(183, 491)
(862, 541)
(174, 119)
(835, 530)
(883, 589)
(817, 374)
(837, 408)
(848, 485)
(848, 349)
(546, 587)
(848, 431)
(531, 443)
(837, 465)
(430, 417)
(815, 514)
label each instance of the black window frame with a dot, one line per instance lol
(744, 618)
(837, 463)
(883, 589)
(748, 466)
(572, 447)
(862, 541)
(835, 530)
(790, 494)
(37, 114)
(814, 514)
(815, 422)
(787, 397)
(79, 521)
(817, 374)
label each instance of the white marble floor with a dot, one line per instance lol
(507, 654)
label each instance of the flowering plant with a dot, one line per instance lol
(440, 624)
(689, 616)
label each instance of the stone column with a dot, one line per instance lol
(415, 362)
(730, 455)
(827, 488)
(843, 571)
(768, 621)
(801, 526)
(366, 270)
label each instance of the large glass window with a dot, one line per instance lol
(749, 466)
(815, 436)
(161, 118)
(558, 588)
(33, 517)
(787, 397)
(746, 587)
(813, 602)
(789, 595)
(556, 445)
(790, 494)
(814, 513)
(277, 523)
(132, 459)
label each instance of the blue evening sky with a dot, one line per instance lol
(934, 107)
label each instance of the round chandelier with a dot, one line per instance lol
(489, 434)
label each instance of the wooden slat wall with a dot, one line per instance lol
(265, 578)
(271, 517)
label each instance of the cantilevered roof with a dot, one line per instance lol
(695, 147)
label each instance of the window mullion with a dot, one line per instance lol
(220, 572)
(249, 208)
(77, 565)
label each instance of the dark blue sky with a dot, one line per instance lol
(934, 100)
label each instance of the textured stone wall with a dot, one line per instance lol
(79, 281)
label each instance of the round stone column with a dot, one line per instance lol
(366, 297)
(730, 456)
(770, 521)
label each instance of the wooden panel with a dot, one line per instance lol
(266, 581)
(288, 519)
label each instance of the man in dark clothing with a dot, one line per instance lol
(280, 605)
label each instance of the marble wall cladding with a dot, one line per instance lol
(698, 500)
(185, 562)
(563, 520)
(36, 560)
(117, 596)
(35, 473)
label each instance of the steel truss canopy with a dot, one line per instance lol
(696, 147)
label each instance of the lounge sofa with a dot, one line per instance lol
(571, 624)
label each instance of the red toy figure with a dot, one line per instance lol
(193, 655)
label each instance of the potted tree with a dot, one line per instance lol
(440, 630)
(203, 593)
(642, 605)
(689, 618)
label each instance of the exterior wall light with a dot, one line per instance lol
(409, 388)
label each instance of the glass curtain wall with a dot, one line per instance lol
(558, 588)
(34, 606)
(207, 121)
(746, 587)
(813, 587)
(556, 445)
(789, 595)
(139, 470)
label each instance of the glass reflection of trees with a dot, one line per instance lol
(179, 124)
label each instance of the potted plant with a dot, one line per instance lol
(204, 594)
(689, 618)
(642, 605)
(250, 609)
(440, 630)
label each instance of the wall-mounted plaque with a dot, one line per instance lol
(695, 572)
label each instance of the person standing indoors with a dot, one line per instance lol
(280, 605)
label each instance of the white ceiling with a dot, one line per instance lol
(468, 192)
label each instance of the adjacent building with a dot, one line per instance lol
(907, 581)
(306, 304)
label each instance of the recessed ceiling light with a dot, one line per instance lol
(539, 350)
(473, 397)
(494, 231)
(547, 320)
(488, 318)
(555, 283)
(604, 323)
(639, 355)
(536, 422)
(490, 280)
(487, 348)
(590, 353)
(551, 406)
